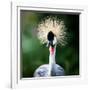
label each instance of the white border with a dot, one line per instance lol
(15, 63)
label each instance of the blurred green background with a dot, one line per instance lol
(34, 54)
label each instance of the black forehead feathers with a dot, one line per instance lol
(50, 36)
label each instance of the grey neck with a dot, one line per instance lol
(52, 61)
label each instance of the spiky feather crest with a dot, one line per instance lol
(54, 25)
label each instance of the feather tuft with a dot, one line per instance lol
(56, 26)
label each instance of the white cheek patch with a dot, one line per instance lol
(47, 44)
(54, 41)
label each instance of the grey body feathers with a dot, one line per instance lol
(42, 71)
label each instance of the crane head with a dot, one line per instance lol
(52, 31)
(51, 39)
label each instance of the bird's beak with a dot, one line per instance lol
(50, 43)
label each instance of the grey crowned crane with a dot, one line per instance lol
(52, 32)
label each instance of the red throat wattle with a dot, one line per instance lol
(52, 50)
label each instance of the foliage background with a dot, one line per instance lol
(33, 54)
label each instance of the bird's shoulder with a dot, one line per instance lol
(41, 71)
(58, 67)
(58, 70)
